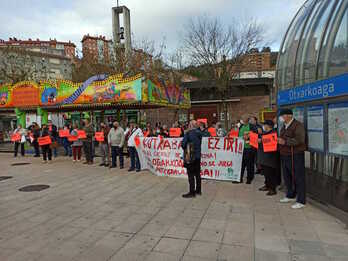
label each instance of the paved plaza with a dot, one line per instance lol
(93, 213)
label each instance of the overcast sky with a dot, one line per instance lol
(153, 19)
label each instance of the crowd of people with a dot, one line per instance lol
(111, 147)
(116, 139)
(288, 155)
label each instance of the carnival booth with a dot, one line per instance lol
(37, 102)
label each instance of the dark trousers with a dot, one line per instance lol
(295, 181)
(134, 157)
(116, 151)
(249, 164)
(46, 151)
(17, 144)
(194, 173)
(36, 148)
(87, 148)
(270, 175)
(76, 150)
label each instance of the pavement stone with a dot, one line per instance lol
(93, 213)
(307, 247)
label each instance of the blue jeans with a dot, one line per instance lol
(67, 148)
(116, 151)
(134, 157)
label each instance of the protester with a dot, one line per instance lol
(203, 128)
(133, 132)
(191, 145)
(220, 131)
(66, 142)
(147, 131)
(35, 132)
(116, 138)
(153, 133)
(278, 173)
(76, 145)
(164, 131)
(268, 162)
(22, 132)
(104, 145)
(292, 143)
(46, 149)
(248, 154)
(158, 130)
(256, 128)
(53, 132)
(87, 143)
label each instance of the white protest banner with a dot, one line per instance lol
(221, 158)
(162, 156)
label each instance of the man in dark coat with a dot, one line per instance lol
(268, 161)
(87, 143)
(53, 132)
(36, 133)
(292, 145)
(191, 145)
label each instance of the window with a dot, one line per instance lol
(339, 54)
(290, 45)
(310, 43)
(332, 38)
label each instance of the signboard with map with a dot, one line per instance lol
(338, 128)
(315, 127)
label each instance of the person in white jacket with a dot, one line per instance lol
(22, 132)
(133, 132)
(116, 141)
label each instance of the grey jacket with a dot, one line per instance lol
(116, 137)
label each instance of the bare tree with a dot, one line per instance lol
(215, 51)
(18, 64)
(145, 57)
(88, 66)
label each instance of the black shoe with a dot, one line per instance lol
(138, 170)
(106, 165)
(199, 193)
(102, 164)
(189, 195)
(86, 162)
(271, 193)
(112, 167)
(264, 188)
(129, 170)
(248, 182)
(36, 156)
(236, 182)
(121, 168)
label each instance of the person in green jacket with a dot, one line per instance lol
(248, 154)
